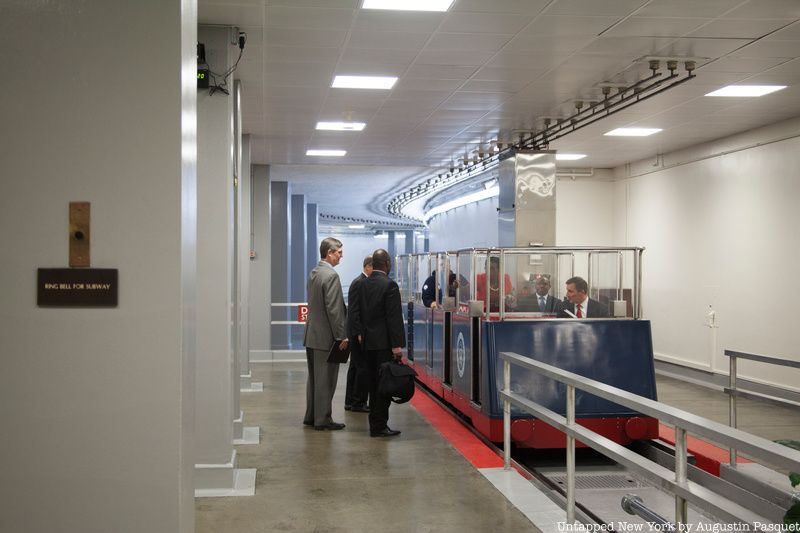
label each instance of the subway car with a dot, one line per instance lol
(460, 316)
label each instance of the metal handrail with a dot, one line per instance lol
(677, 483)
(732, 390)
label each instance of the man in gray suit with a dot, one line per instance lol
(324, 326)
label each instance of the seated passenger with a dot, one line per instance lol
(540, 301)
(578, 304)
(429, 297)
(494, 287)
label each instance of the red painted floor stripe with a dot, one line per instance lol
(451, 429)
(707, 456)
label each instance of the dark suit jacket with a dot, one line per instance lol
(595, 310)
(381, 312)
(530, 303)
(326, 311)
(354, 327)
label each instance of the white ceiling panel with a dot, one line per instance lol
(440, 72)
(655, 27)
(501, 86)
(744, 65)
(761, 9)
(353, 4)
(411, 21)
(484, 23)
(235, 15)
(569, 26)
(468, 42)
(737, 28)
(786, 49)
(789, 33)
(522, 7)
(305, 38)
(453, 58)
(392, 40)
(542, 44)
(627, 47)
(302, 74)
(301, 54)
(595, 7)
(688, 8)
(313, 18)
(699, 47)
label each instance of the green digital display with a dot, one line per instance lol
(202, 78)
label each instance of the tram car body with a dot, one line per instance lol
(456, 351)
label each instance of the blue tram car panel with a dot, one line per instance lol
(615, 352)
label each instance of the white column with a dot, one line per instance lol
(260, 268)
(215, 458)
(97, 404)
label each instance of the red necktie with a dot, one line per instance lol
(579, 314)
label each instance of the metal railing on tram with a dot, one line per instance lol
(676, 483)
(614, 274)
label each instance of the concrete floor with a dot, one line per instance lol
(345, 481)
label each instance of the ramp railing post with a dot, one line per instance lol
(681, 509)
(506, 416)
(732, 404)
(570, 455)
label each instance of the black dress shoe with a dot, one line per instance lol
(348, 407)
(333, 426)
(385, 432)
(359, 409)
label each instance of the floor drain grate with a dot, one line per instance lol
(599, 481)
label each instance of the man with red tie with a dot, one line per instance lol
(578, 304)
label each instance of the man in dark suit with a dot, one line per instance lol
(384, 335)
(578, 302)
(325, 325)
(540, 301)
(357, 392)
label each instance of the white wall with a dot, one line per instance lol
(97, 405)
(719, 225)
(473, 225)
(356, 247)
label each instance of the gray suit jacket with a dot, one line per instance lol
(326, 311)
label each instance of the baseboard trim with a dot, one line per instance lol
(280, 356)
(223, 479)
(250, 435)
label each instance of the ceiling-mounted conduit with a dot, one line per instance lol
(625, 97)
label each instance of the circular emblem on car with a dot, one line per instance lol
(461, 355)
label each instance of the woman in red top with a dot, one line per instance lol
(494, 286)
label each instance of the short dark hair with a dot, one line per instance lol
(580, 284)
(380, 259)
(328, 244)
(368, 261)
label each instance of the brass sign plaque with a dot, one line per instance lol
(79, 234)
(77, 287)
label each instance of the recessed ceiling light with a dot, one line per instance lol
(341, 126)
(326, 153)
(632, 132)
(409, 5)
(356, 226)
(569, 157)
(746, 90)
(364, 82)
